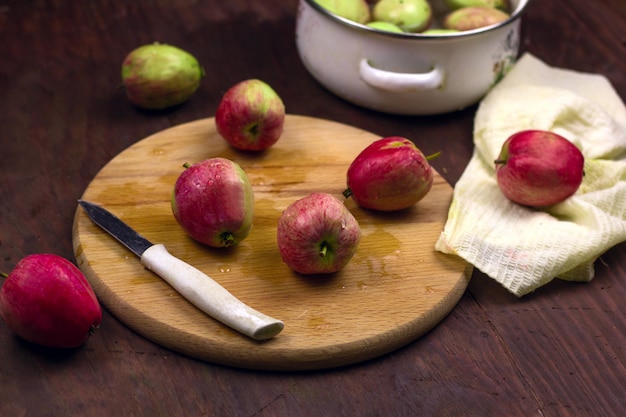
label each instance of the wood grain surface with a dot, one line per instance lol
(394, 290)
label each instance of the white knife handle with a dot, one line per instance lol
(209, 296)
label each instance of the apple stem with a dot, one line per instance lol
(254, 129)
(227, 239)
(433, 156)
(500, 161)
(323, 250)
(347, 193)
(186, 165)
(4, 274)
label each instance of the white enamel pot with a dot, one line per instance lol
(409, 74)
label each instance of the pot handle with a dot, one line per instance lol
(400, 82)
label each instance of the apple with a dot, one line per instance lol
(385, 26)
(469, 18)
(355, 10)
(496, 4)
(439, 31)
(250, 116)
(47, 300)
(390, 174)
(539, 168)
(317, 234)
(157, 76)
(409, 15)
(213, 202)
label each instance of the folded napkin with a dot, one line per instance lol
(524, 248)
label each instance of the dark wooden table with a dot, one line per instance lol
(558, 352)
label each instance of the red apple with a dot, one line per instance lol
(213, 202)
(317, 234)
(390, 174)
(48, 301)
(538, 168)
(157, 76)
(250, 116)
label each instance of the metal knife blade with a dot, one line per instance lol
(197, 287)
(116, 228)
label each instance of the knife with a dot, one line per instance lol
(198, 288)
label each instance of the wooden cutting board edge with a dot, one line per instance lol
(256, 356)
(178, 340)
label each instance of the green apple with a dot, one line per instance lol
(355, 10)
(496, 4)
(317, 234)
(158, 76)
(440, 32)
(385, 26)
(409, 15)
(250, 116)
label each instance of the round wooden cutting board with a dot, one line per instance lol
(395, 289)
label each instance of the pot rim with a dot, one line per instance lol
(418, 36)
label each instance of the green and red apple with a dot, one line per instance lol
(157, 76)
(250, 116)
(213, 202)
(317, 234)
(390, 174)
(476, 17)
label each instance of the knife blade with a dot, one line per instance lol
(194, 285)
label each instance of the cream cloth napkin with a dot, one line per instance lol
(525, 248)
